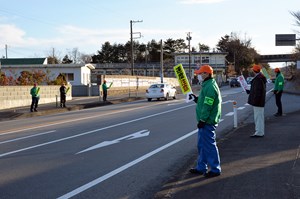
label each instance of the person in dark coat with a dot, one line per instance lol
(257, 98)
(63, 95)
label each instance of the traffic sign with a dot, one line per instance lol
(285, 39)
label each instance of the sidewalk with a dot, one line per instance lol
(76, 103)
(259, 168)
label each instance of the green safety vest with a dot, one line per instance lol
(209, 102)
(279, 82)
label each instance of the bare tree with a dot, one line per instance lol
(297, 18)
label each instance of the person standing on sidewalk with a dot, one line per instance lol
(278, 89)
(35, 97)
(104, 89)
(257, 97)
(63, 95)
(208, 112)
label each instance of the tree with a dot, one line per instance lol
(203, 48)
(297, 18)
(74, 55)
(239, 51)
(66, 60)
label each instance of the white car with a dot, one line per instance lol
(161, 90)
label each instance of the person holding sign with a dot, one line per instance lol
(257, 97)
(105, 88)
(208, 113)
(34, 92)
(278, 89)
(63, 95)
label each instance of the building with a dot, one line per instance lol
(76, 74)
(193, 61)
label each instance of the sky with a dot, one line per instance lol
(33, 28)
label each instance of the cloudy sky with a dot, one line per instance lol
(32, 28)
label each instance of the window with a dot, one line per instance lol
(205, 60)
(69, 76)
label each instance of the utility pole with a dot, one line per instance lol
(6, 51)
(161, 62)
(189, 38)
(131, 42)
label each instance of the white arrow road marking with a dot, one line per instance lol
(123, 168)
(138, 134)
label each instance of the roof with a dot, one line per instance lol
(23, 61)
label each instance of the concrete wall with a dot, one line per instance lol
(122, 84)
(16, 96)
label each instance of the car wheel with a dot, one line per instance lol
(149, 99)
(174, 97)
(167, 97)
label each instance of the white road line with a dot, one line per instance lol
(30, 136)
(93, 131)
(123, 168)
(228, 101)
(229, 114)
(78, 119)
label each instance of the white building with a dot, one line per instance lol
(216, 60)
(193, 61)
(76, 74)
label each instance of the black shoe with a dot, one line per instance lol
(31, 110)
(35, 110)
(277, 114)
(211, 174)
(195, 171)
(256, 136)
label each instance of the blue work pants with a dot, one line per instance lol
(208, 153)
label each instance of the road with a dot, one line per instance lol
(120, 151)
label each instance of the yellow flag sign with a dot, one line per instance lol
(182, 79)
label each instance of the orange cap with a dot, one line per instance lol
(205, 69)
(277, 70)
(256, 68)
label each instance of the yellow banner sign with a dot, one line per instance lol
(182, 79)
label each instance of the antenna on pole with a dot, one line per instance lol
(131, 43)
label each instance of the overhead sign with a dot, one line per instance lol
(285, 39)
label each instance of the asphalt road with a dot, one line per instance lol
(121, 151)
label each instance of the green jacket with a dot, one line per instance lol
(104, 87)
(208, 107)
(279, 82)
(33, 92)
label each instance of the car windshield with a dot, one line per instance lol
(157, 86)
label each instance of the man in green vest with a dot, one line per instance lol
(278, 89)
(104, 89)
(208, 113)
(34, 92)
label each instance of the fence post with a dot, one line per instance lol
(234, 114)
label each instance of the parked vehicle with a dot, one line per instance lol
(249, 79)
(161, 90)
(234, 83)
